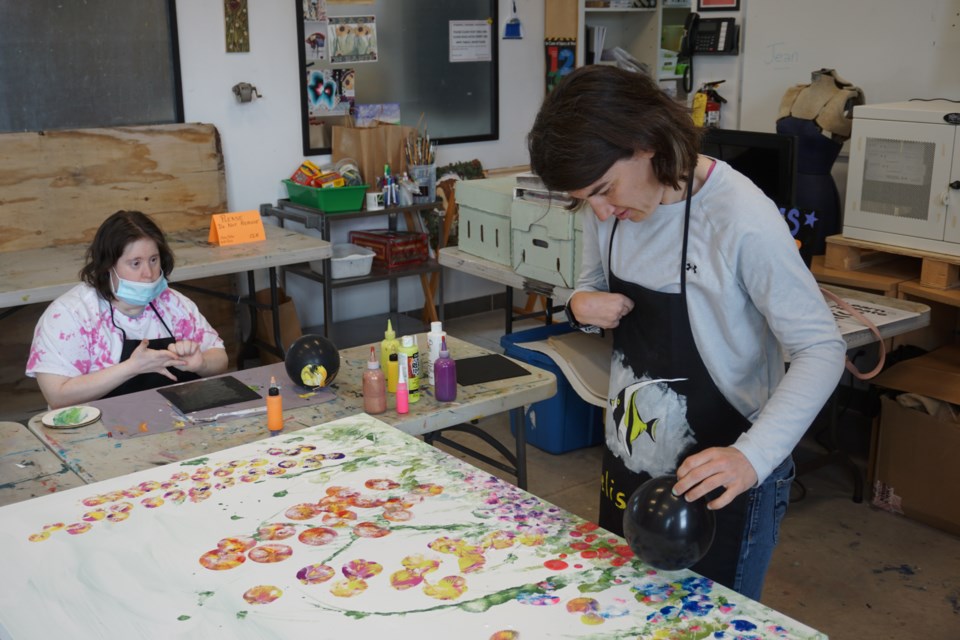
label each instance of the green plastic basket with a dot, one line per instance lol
(330, 200)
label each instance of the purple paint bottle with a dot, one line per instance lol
(445, 375)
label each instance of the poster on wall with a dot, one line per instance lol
(314, 10)
(351, 39)
(330, 92)
(367, 115)
(314, 30)
(470, 41)
(314, 40)
(561, 58)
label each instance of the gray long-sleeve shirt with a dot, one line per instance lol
(751, 301)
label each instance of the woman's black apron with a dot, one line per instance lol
(151, 380)
(656, 342)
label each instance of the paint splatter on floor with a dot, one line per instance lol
(903, 569)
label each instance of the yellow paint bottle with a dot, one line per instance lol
(388, 345)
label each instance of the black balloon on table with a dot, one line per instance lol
(665, 531)
(312, 361)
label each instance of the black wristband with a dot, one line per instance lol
(576, 324)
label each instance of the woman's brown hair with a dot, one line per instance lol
(601, 114)
(109, 243)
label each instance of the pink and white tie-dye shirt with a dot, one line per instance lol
(75, 335)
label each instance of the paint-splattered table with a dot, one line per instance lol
(28, 468)
(94, 454)
(350, 529)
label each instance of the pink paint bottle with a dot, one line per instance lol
(403, 399)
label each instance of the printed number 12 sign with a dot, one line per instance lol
(561, 56)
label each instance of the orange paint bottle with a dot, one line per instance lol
(274, 407)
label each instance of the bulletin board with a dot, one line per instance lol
(74, 65)
(893, 50)
(431, 63)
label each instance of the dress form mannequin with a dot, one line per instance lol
(820, 114)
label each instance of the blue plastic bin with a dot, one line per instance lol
(564, 422)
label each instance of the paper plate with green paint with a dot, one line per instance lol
(71, 417)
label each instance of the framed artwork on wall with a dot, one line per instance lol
(718, 5)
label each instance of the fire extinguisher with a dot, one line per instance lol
(706, 105)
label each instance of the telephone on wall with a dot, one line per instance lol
(709, 36)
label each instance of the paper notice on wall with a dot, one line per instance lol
(471, 41)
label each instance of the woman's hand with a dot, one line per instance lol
(716, 467)
(147, 360)
(599, 308)
(189, 352)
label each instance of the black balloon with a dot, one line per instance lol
(664, 530)
(312, 361)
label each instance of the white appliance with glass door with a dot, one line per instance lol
(903, 185)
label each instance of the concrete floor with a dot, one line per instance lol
(846, 569)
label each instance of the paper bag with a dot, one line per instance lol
(289, 324)
(372, 147)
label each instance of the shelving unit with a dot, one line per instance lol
(637, 30)
(322, 221)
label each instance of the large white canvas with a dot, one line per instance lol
(461, 554)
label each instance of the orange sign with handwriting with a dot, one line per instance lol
(236, 227)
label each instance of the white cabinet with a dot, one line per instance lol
(903, 185)
(639, 31)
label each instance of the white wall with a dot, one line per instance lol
(262, 140)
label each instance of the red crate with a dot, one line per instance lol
(393, 248)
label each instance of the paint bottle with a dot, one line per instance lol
(409, 348)
(274, 407)
(433, 348)
(403, 398)
(445, 373)
(393, 372)
(374, 386)
(388, 345)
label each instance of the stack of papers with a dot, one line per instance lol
(530, 187)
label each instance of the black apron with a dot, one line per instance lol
(656, 342)
(151, 380)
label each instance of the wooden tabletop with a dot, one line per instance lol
(41, 275)
(348, 529)
(455, 258)
(94, 454)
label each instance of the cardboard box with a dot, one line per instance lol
(542, 242)
(914, 457)
(484, 213)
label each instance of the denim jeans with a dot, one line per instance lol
(768, 504)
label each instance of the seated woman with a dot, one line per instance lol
(122, 329)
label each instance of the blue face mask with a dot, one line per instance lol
(138, 294)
